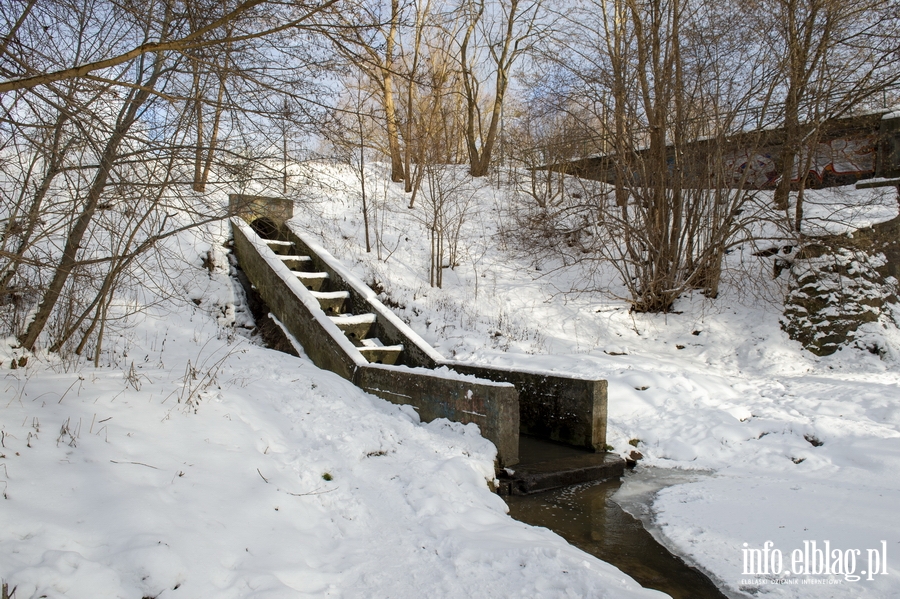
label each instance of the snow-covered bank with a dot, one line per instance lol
(801, 448)
(194, 463)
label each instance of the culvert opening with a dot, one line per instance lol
(265, 228)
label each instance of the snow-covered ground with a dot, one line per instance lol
(194, 463)
(788, 447)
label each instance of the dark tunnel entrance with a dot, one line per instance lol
(265, 228)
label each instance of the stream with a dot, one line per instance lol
(590, 517)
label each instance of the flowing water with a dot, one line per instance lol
(587, 517)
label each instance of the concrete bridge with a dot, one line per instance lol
(343, 327)
(844, 151)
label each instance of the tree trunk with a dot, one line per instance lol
(54, 167)
(127, 117)
(390, 110)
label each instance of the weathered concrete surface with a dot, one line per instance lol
(563, 472)
(268, 329)
(697, 156)
(560, 408)
(494, 407)
(889, 148)
(564, 409)
(251, 208)
(360, 302)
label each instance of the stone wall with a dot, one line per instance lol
(840, 283)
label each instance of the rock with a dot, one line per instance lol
(633, 458)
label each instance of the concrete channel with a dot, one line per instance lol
(343, 327)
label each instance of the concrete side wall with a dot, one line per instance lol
(889, 149)
(767, 145)
(321, 348)
(564, 409)
(493, 407)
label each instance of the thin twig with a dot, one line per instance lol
(311, 493)
(136, 463)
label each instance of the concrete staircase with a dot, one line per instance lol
(359, 329)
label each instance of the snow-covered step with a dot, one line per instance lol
(332, 302)
(311, 280)
(296, 262)
(280, 247)
(356, 327)
(376, 352)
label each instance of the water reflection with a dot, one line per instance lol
(586, 517)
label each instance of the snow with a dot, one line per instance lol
(779, 445)
(194, 458)
(353, 319)
(892, 113)
(843, 209)
(195, 463)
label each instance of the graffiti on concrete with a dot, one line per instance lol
(758, 168)
(841, 157)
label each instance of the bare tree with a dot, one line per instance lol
(350, 134)
(110, 119)
(434, 131)
(503, 32)
(368, 40)
(835, 56)
(444, 209)
(411, 61)
(648, 76)
(208, 35)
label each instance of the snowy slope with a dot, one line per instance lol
(195, 463)
(787, 447)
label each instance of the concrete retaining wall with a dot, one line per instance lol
(883, 128)
(250, 208)
(388, 327)
(502, 402)
(494, 407)
(560, 408)
(564, 409)
(296, 315)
